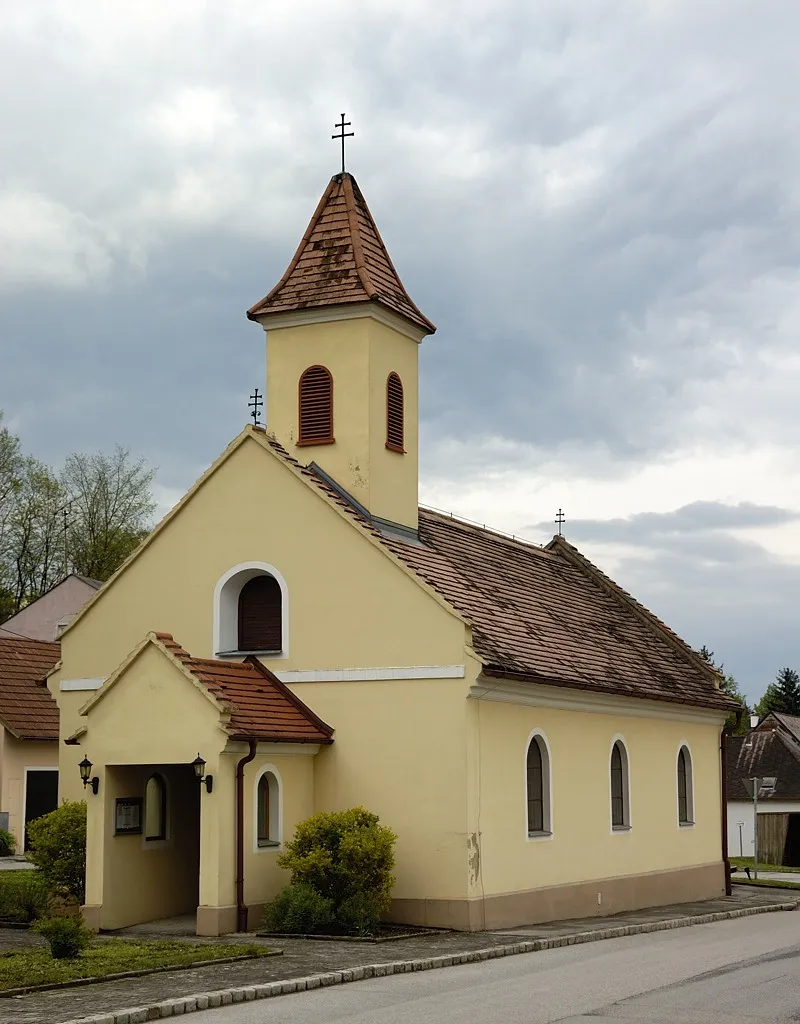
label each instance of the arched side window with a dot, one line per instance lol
(316, 406)
(620, 788)
(685, 788)
(537, 787)
(155, 808)
(261, 600)
(395, 422)
(260, 609)
(268, 810)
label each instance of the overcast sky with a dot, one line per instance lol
(596, 201)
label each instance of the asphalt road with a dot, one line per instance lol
(745, 971)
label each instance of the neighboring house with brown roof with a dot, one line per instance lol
(303, 636)
(28, 733)
(47, 616)
(770, 751)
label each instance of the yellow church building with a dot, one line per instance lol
(299, 635)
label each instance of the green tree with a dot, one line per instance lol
(58, 849)
(110, 508)
(782, 696)
(88, 518)
(737, 722)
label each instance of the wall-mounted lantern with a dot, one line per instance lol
(199, 767)
(85, 768)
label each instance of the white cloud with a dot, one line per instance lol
(43, 243)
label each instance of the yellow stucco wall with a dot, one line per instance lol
(400, 751)
(341, 614)
(17, 755)
(583, 846)
(360, 355)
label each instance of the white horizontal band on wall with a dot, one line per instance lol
(326, 675)
(352, 675)
(80, 684)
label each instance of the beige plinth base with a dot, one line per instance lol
(222, 920)
(562, 902)
(90, 912)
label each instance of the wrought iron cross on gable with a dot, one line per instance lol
(343, 135)
(560, 520)
(255, 404)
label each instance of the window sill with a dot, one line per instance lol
(620, 828)
(245, 654)
(395, 448)
(540, 835)
(686, 824)
(314, 440)
(268, 844)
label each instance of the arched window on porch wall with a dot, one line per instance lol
(251, 612)
(268, 808)
(155, 808)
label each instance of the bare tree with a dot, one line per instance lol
(110, 509)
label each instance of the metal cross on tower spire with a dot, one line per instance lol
(560, 520)
(343, 135)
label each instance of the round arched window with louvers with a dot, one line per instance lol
(316, 406)
(394, 413)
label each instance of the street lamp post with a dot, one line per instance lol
(740, 825)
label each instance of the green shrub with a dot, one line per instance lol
(23, 896)
(346, 857)
(360, 914)
(58, 849)
(8, 843)
(299, 910)
(67, 936)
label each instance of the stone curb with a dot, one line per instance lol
(224, 997)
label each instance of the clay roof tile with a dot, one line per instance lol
(26, 707)
(341, 259)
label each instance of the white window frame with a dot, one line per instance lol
(275, 810)
(620, 830)
(226, 609)
(547, 788)
(683, 745)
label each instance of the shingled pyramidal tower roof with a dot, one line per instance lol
(341, 260)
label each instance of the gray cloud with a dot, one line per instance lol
(598, 204)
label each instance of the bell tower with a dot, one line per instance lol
(343, 341)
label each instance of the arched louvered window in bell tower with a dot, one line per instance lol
(394, 414)
(316, 406)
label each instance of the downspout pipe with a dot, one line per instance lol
(241, 907)
(723, 761)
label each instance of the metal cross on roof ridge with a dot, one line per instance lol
(560, 520)
(255, 403)
(344, 135)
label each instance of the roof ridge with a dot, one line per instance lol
(499, 535)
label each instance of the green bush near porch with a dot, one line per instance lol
(58, 849)
(23, 896)
(341, 864)
(30, 967)
(8, 843)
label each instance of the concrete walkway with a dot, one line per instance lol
(309, 963)
(777, 876)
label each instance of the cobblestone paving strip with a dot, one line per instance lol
(307, 965)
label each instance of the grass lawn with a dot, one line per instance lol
(769, 883)
(25, 967)
(747, 862)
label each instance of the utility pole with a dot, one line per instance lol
(756, 787)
